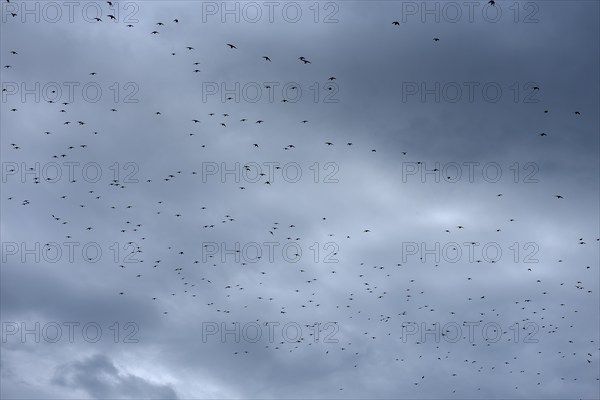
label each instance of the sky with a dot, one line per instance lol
(332, 199)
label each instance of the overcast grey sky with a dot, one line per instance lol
(345, 199)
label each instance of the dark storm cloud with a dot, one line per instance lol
(454, 123)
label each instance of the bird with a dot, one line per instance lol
(231, 46)
(395, 23)
(266, 58)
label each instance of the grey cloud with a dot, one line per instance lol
(377, 284)
(98, 376)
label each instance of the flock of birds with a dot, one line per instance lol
(306, 290)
